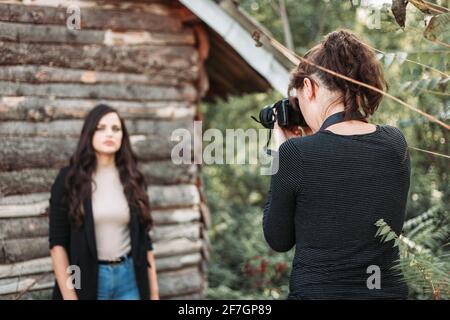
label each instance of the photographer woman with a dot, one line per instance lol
(100, 218)
(337, 179)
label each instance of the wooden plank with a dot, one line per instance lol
(147, 59)
(180, 282)
(45, 74)
(171, 283)
(72, 128)
(149, 18)
(173, 196)
(40, 180)
(33, 266)
(24, 206)
(31, 282)
(166, 172)
(177, 262)
(28, 227)
(15, 250)
(34, 227)
(45, 109)
(174, 216)
(41, 294)
(189, 296)
(131, 92)
(26, 181)
(170, 232)
(18, 153)
(169, 224)
(20, 32)
(162, 198)
(42, 265)
(177, 247)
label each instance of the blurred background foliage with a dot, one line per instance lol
(242, 266)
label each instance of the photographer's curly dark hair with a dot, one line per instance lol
(78, 182)
(342, 52)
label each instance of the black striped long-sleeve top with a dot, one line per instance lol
(328, 193)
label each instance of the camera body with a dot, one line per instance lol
(286, 114)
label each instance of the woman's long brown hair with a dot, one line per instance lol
(79, 180)
(342, 52)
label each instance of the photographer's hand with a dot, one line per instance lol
(280, 134)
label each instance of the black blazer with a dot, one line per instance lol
(81, 246)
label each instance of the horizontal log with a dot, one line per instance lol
(160, 216)
(18, 153)
(40, 180)
(20, 32)
(177, 262)
(176, 283)
(161, 197)
(26, 181)
(146, 59)
(15, 250)
(71, 128)
(173, 196)
(146, 18)
(44, 109)
(164, 200)
(130, 92)
(31, 282)
(44, 74)
(171, 283)
(28, 227)
(190, 296)
(174, 216)
(33, 266)
(166, 172)
(24, 205)
(177, 247)
(170, 232)
(41, 294)
(42, 265)
(34, 227)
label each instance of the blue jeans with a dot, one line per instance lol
(118, 281)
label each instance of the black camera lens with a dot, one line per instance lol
(267, 117)
(287, 114)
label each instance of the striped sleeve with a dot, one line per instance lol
(279, 211)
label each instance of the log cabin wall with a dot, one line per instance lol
(143, 58)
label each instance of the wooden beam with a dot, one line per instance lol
(18, 153)
(42, 265)
(150, 18)
(161, 197)
(147, 59)
(46, 109)
(19, 32)
(130, 92)
(40, 180)
(45, 74)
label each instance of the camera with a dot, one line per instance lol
(287, 114)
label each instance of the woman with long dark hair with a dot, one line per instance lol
(100, 218)
(338, 178)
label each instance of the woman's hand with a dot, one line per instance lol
(280, 134)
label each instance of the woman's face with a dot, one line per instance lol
(107, 138)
